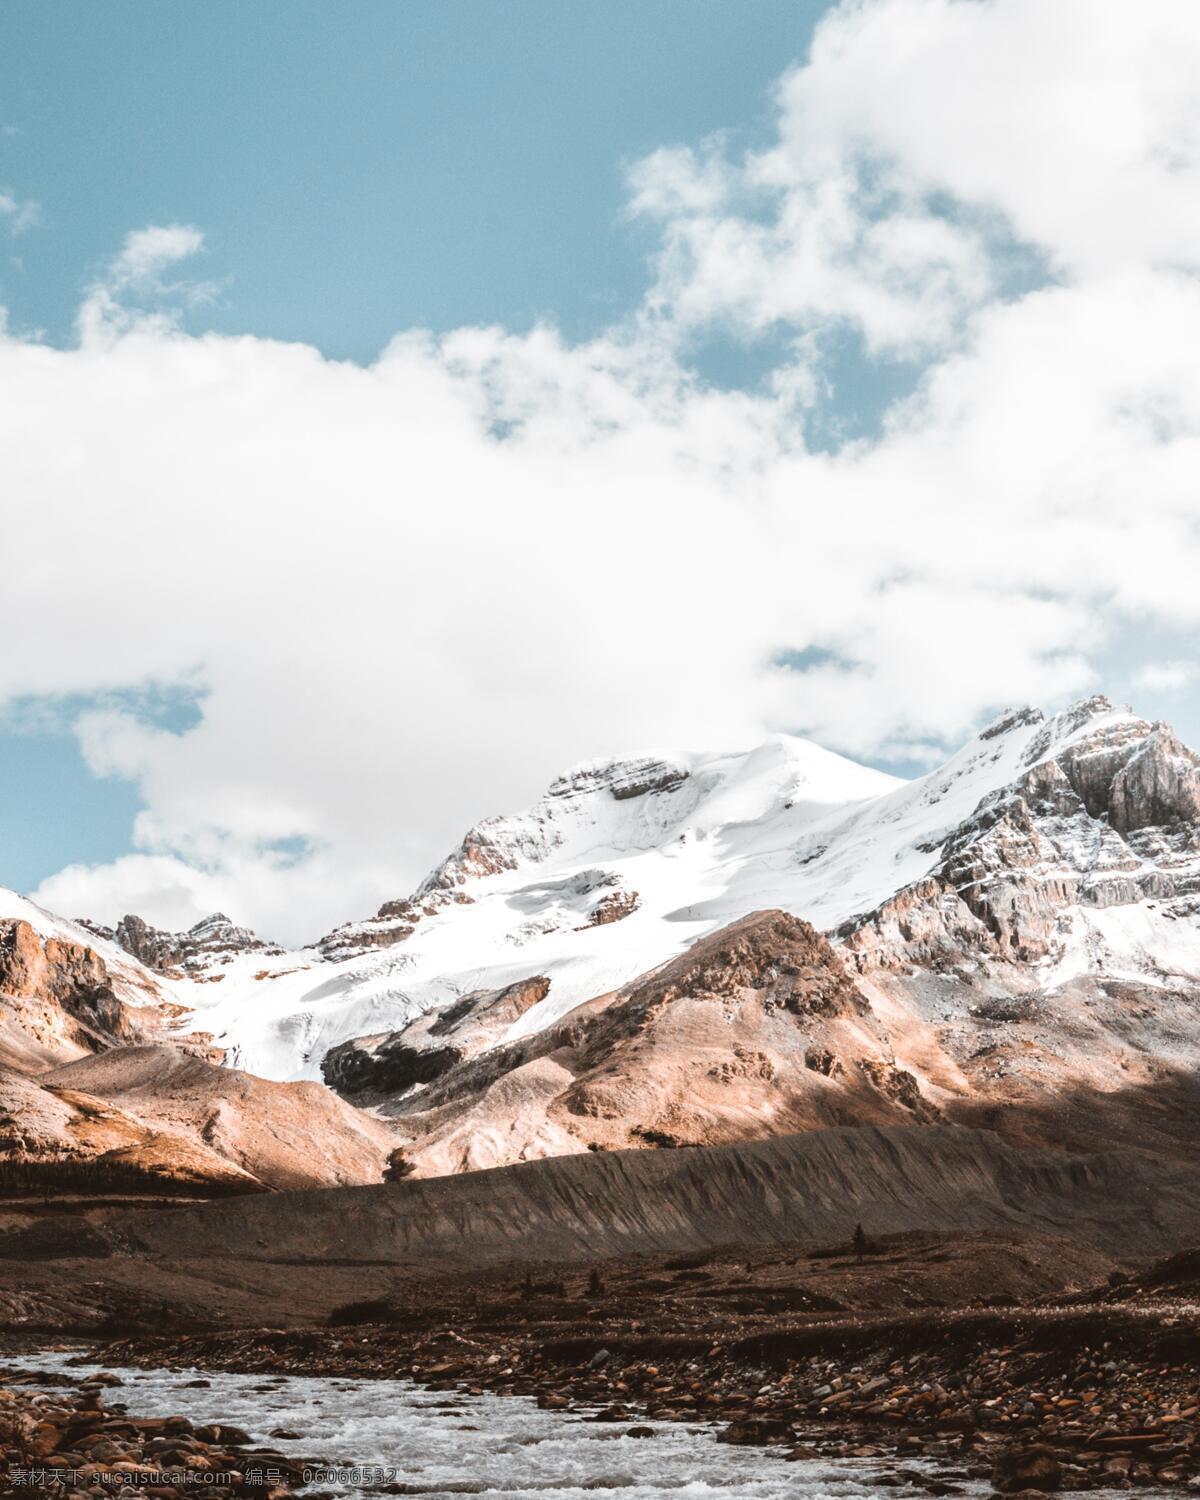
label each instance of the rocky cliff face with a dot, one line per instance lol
(56, 999)
(1109, 819)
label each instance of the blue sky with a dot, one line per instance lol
(365, 168)
(863, 360)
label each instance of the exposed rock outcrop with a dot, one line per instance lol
(640, 776)
(212, 942)
(432, 1044)
(614, 907)
(1159, 784)
(488, 849)
(56, 999)
(393, 923)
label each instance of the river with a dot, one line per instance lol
(443, 1444)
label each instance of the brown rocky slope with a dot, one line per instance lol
(755, 1031)
(283, 1135)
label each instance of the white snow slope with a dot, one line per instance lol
(701, 839)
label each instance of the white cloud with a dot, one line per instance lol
(923, 145)
(147, 253)
(134, 290)
(412, 592)
(1166, 676)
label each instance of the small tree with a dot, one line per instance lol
(859, 1242)
(595, 1284)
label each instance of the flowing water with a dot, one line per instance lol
(443, 1444)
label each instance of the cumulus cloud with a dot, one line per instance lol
(407, 594)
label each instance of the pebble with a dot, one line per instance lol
(65, 1443)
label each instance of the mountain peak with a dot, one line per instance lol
(211, 941)
(213, 920)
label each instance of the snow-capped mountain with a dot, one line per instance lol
(620, 865)
(678, 948)
(1062, 844)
